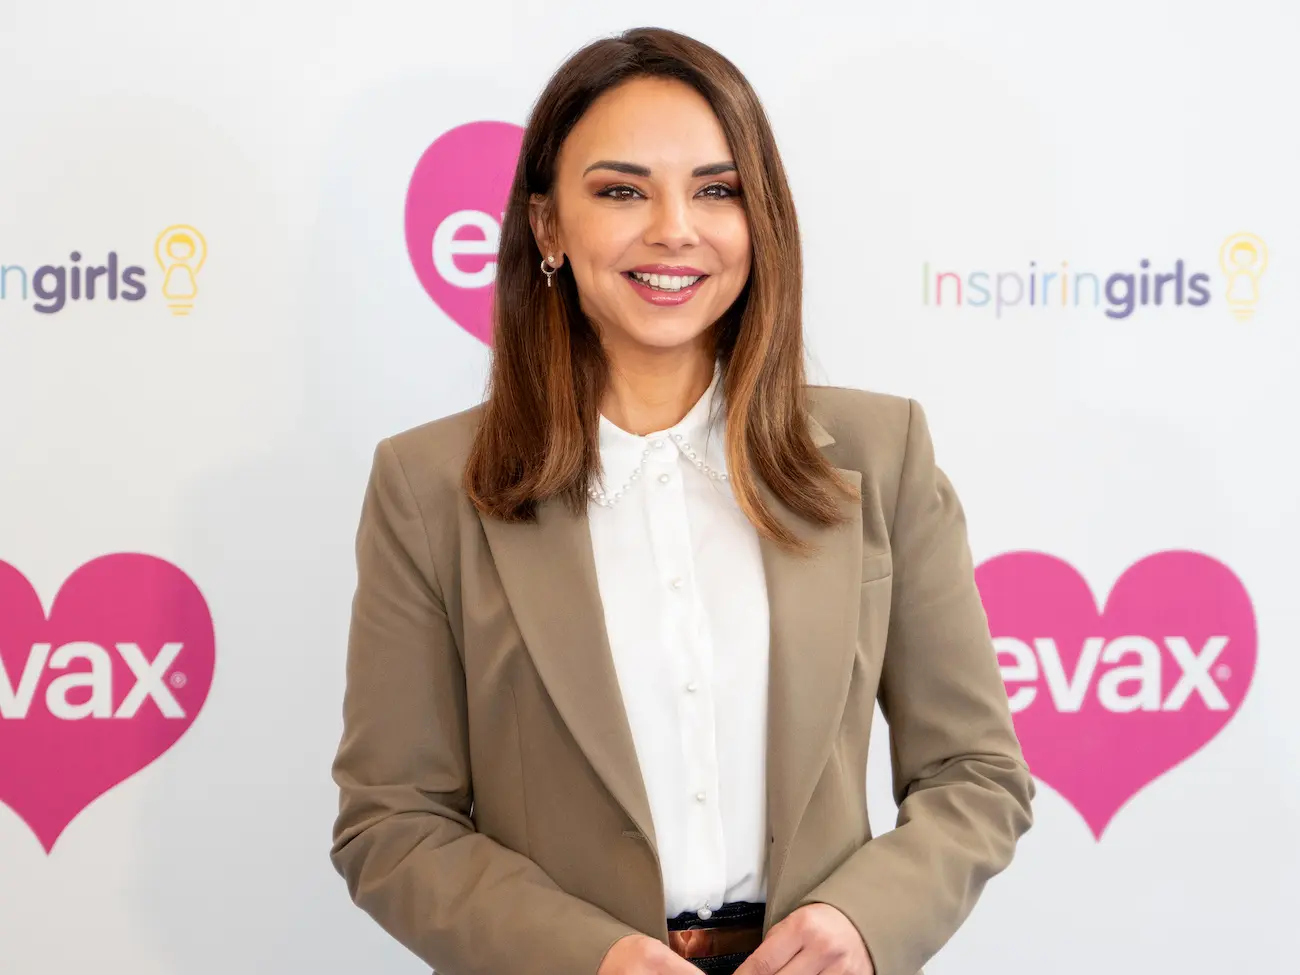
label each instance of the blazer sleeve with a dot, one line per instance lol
(963, 789)
(404, 838)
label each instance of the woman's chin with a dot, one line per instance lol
(664, 335)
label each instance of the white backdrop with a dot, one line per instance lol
(232, 442)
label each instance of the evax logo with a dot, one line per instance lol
(180, 252)
(1105, 702)
(16, 697)
(101, 687)
(454, 208)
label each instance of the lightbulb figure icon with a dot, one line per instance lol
(1243, 258)
(181, 251)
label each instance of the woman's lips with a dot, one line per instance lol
(656, 297)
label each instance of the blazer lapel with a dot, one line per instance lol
(814, 609)
(549, 575)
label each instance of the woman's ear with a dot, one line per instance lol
(541, 217)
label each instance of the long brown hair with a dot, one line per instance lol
(538, 435)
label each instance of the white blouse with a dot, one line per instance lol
(685, 603)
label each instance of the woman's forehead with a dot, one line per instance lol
(649, 122)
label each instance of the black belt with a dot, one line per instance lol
(719, 944)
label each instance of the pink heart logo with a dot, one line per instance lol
(454, 207)
(1107, 702)
(101, 688)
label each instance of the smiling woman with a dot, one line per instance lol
(640, 168)
(619, 632)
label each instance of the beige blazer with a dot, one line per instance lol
(492, 814)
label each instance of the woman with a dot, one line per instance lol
(619, 631)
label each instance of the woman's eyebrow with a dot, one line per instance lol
(633, 169)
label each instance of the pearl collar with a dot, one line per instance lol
(618, 448)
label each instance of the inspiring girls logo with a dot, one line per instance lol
(180, 252)
(1242, 261)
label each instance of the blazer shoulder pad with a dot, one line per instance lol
(870, 428)
(433, 454)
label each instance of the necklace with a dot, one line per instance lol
(608, 500)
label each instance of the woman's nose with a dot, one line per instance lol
(672, 222)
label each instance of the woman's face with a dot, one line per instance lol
(646, 185)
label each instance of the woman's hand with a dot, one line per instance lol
(816, 939)
(638, 954)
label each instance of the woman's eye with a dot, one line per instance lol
(621, 192)
(720, 191)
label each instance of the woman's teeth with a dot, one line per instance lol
(666, 282)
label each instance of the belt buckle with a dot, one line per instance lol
(692, 943)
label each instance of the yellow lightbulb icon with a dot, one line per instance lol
(181, 251)
(1243, 258)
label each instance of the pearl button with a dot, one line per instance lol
(700, 797)
(665, 478)
(704, 914)
(676, 583)
(692, 687)
(656, 444)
